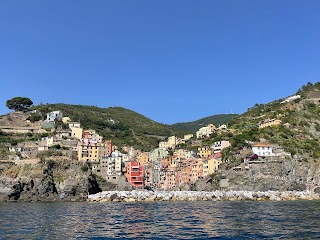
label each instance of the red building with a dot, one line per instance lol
(134, 173)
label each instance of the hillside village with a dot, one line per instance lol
(165, 167)
(178, 163)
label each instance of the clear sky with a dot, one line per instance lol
(172, 61)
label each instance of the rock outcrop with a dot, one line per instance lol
(50, 181)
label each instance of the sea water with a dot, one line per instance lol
(161, 220)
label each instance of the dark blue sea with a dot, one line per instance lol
(161, 220)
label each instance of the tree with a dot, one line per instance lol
(19, 103)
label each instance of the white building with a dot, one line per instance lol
(187, 137)
(190, 154)
(51, 116)
(262, 149)
(92, 135)
(218, 146)
(157, 154)
(222, 127)
(205, 131)
(163, 145)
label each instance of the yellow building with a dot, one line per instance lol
(66, 120)
(172, 141)
(173, 163)
(211, 165)
(204, 152)
(91, 151)
(143, 158)
(77, 132)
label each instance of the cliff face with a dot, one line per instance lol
(284, 175)
(50, 181)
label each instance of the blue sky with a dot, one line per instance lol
(172, 61)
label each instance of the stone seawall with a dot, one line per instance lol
(151, 196)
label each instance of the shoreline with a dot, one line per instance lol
(157, 196)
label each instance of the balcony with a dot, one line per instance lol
(136, 179)
(136, 174)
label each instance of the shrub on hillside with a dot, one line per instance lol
(34, 117)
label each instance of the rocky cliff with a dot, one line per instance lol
(265, 175)
(46, 181)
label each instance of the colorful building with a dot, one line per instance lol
(109, 149)
(204, 152)
(262, 149)
(218, 146)
(206, 131)
(134, 173)
(210, 166)
(143, 158)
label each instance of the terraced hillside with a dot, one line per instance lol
(299, 128)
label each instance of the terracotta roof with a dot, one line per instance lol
(261, 145)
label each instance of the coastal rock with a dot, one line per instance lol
(130, 200)
(113, 196)
(133, 196)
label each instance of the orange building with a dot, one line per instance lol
(197, 170)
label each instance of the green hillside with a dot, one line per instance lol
(123, 126)
(298, 133)
(195, 125)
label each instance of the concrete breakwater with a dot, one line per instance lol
(151, 196)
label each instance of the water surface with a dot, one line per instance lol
(161, 220)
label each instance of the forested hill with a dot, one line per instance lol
(194, 126)
(123, 126)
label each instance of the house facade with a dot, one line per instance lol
(262, 149)
(205, 131)
(218, 146)
(204, 152)
(52, 116)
